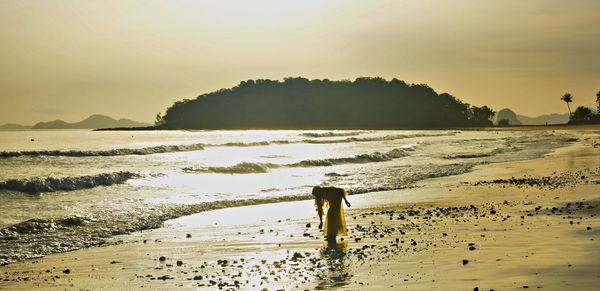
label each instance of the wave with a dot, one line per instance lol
(334, 174)
(241, 168)
(332, 141)
(200, 146)
(244, 144)
(469, 156)
(249, 168)
(114, 152)
(36, 225)
(376, 138)
(358, 159)
(331, 134)
(51, 184)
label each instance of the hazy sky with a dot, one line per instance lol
(70, 59)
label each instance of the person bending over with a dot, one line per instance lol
(330, 198)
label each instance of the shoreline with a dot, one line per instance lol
(277, 234)
(564, 126)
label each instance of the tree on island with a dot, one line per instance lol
(160, 119)
(299, 103)
(503, 122)
(567, 98)
(598, 102)
(582, 113)
(585, 115)
(480, 116)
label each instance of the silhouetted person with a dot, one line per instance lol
(331, 199)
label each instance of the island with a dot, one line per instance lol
(300, 103)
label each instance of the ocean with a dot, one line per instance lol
(62, 190)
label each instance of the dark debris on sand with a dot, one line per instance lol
(555, 181)
(373, 241)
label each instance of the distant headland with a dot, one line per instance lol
(92, 122)
(300, 103)
(516, 119)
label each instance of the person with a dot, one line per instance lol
(331, 198)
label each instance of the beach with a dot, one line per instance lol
(299, 145)
(510, 225)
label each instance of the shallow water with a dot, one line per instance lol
(66, 189)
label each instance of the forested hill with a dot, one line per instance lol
(299, 103)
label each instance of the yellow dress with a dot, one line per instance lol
(335, 222)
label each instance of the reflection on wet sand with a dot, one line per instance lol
(336, 272)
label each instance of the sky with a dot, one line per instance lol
(70, 59)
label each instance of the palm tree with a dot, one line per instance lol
(568, 98)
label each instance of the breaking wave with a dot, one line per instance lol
(358, 159)
(249, 168)
(114, 152)
(241, 168)
(51, 184)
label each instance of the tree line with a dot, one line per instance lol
(300, 103)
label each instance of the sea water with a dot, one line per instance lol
(61, 190)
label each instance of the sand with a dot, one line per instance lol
(484, 229)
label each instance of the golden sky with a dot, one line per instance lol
(70, 59)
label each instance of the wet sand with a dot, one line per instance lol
(515, 225)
